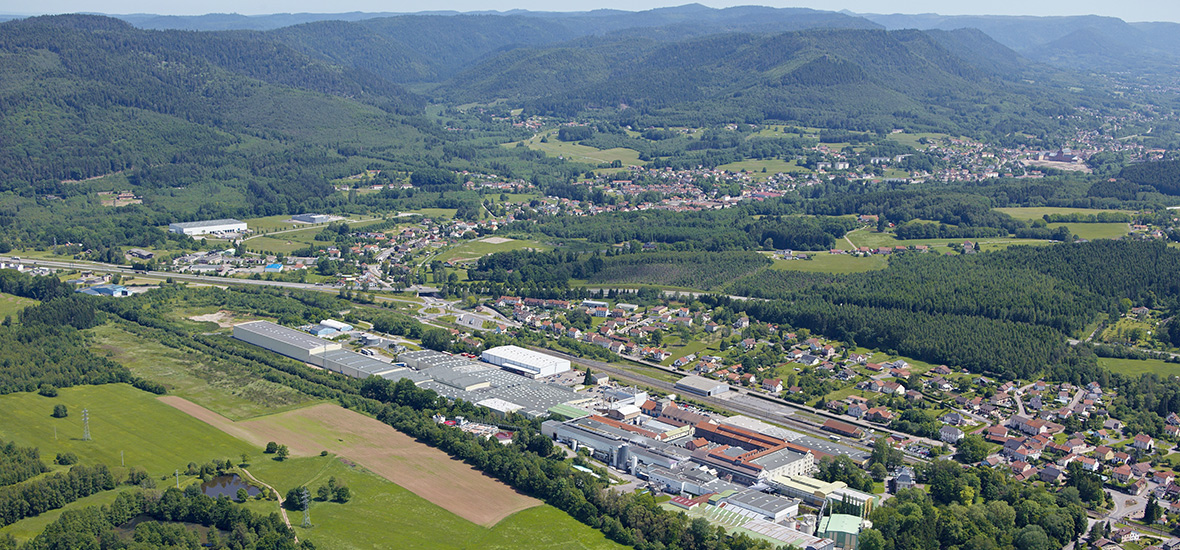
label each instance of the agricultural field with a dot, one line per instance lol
(581, 153)
(380, 510)
(437, 213)
(425, 471)
(772, 166)
(123, 420)
(1135, 367)
(10, 305)
(285, 241)
(873, 239)
(823, 262)
(913, 139)
(223, 386)
(1039, 212)
(1091, 231)
(474, 250)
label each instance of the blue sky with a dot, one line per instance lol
(1130, 10)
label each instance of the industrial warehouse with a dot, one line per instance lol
(451, 376)
(733, 469)
(208, 226)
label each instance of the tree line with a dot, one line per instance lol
(93, 526)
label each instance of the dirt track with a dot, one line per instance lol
(426, 471)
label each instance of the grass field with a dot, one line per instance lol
(473, 250)
(1039, 212)
(123, 419)
(222, 386)
(873, 239)
(437, 213)
(10, 305)
(380, 512)
(1140, 366)
(161, 438)
(823, 262)
(572, 151)
(1091, 231)
(426, 471)
(772, 166)
(912, 139)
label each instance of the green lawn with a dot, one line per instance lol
(873, 239)
(823, 262)
(772, 166)
(381, 511)
(694, 346)
(437, 213)
(476, 249)
(912, 139)
(572, 151)
(1091, 231)
(10, 305)
(1039, 212)
(1140, 366)
(149, 433)
(272, 223)
(221, 386)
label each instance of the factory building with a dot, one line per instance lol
(526, 362)
(624, 447)
(341, 327)
(815, 492)
(354, 364)
(208, 226)
(450, 376)
(312, 218)
(284, 341)
(770, 507)
(842, 528)
(701, 386)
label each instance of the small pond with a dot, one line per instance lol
(227, 486)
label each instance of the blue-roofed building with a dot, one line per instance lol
(273, 268)
(321, 331)
(117, 291)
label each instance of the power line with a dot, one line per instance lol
(305, 497)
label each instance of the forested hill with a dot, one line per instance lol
(84, 96)
(866, 79)
(1088, 42)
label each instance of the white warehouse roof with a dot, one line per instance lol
(518, 358)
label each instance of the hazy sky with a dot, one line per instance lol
(1130, 10)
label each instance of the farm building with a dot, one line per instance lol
(526, 362)
(282, 340)
(208, 226)
(701, 386)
